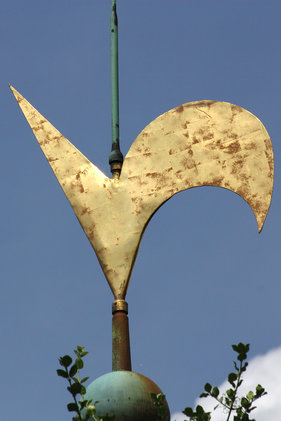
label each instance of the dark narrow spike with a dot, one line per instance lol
(115, 157)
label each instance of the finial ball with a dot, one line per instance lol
(126, 395)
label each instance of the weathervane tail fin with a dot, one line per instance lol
(67, 162)
(80, 180)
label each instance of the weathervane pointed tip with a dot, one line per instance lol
(260, 224)
(15, 92)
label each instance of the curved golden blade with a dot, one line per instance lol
(201, 143)
(204, 143)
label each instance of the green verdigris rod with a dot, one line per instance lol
(115, 157)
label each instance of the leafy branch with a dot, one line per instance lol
(84, 408)
(158, 401)
(242, 406)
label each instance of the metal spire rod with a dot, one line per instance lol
(115, 157)
(121, 354)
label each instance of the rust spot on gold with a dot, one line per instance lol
(233, 148)
(217, 181)
(179, 109)
(208, 136)
(52, 159)
(188, 163)
(85, 210)
(237, 166)
(236, 108)
(152, 174)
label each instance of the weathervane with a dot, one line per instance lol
(202, 143)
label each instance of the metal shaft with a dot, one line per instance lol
(121, 353)
(115, 157)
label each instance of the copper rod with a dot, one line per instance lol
(121, 353)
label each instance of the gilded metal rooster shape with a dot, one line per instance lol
(205, 143)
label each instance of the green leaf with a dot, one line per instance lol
(231, 378)
(227, 401)
(84, 379)
(199, 409)
(208, 387)
(73, 370)
(242, 357)
(241, 348)
(65, 361)
(62, 373)
(230, 393)
(215, 392)
(79, 363)
(82, 390)
(80, 348)
(83, 404)
(75, 388)
(204, 395)
(250, 395)
(245, 403)
(72, 407)
(188, 411)
(252, 408)
(260, 391)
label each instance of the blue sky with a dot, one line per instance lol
(204, 278)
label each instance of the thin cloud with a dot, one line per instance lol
(263, 369)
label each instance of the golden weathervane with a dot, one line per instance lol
(203, 143)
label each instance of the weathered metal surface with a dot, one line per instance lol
(115, 156)
(120, 305)
(205, 143)
(126, 395)
(121, 354)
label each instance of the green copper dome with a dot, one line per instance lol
(126, 395)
